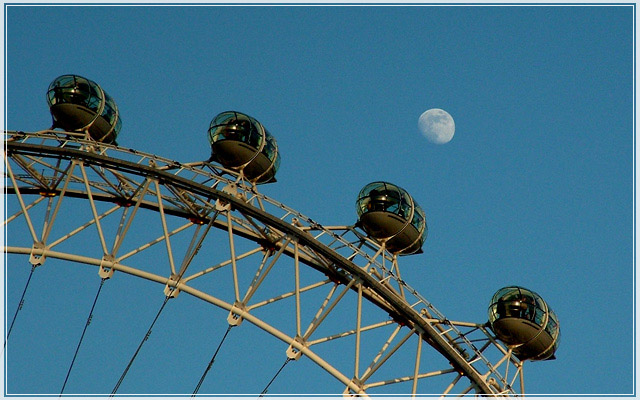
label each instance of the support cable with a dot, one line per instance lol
(146, 336)
(183, 268)
(274, 378)
(206, 371)
(82, 336)
(20, 304)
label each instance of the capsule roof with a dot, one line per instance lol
(79, 104)
(240, 142)
(390, 215)
(524, 321)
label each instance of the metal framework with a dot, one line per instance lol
(277, 261)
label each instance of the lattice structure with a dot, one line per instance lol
(225, 243)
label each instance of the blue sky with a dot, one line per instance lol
(535, 189)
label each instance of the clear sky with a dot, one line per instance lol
(535, 189)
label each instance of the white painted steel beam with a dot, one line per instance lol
(346, 270)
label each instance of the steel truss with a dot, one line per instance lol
(331, 271)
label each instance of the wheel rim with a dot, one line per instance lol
(118, 183)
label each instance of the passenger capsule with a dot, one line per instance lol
(524, 322)
(241, 143)
(389, 214)
(78, 104)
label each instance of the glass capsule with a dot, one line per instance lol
(390, 215)
(78, 104)
(523, 321)
(241, 143)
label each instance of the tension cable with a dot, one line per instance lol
(206, 371)
(274, 377)
(146, 336)
(20, 304)
(83, 332)
(188, 258)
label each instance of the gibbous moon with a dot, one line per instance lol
(437, 126)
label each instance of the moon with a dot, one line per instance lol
(437, 126)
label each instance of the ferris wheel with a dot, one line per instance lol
(333, 295)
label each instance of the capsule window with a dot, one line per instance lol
(256, 134)
(270, 148)
(109, 111)
(235, 126)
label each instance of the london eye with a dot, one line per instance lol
(76, 196)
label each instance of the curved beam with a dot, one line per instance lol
(402, 310)
(196, 293)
